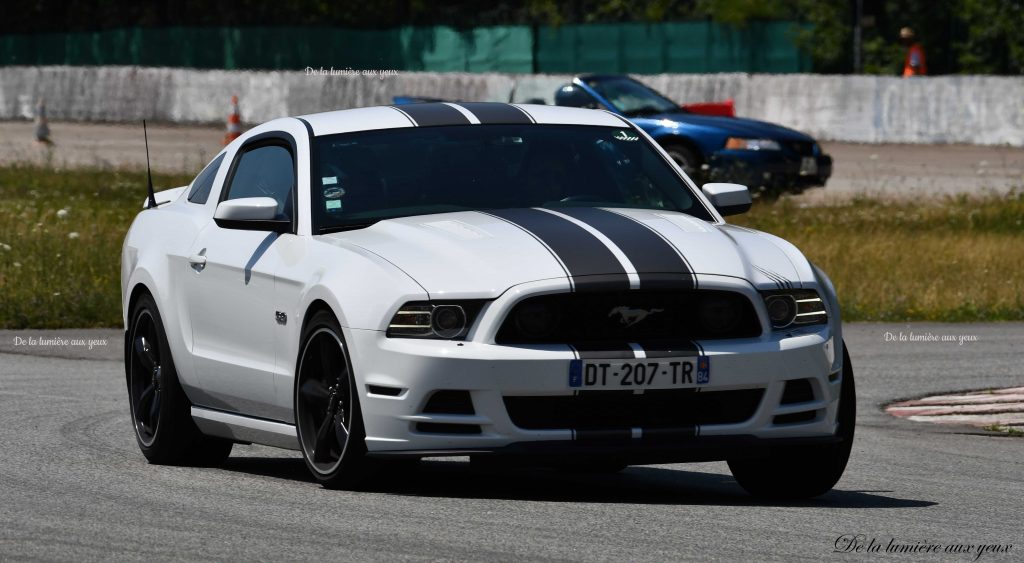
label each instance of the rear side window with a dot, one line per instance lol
(203, 183)
(265, 171)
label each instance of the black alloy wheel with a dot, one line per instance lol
(146, 378)
(160, 411)
(327, 414)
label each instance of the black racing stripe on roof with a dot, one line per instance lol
(591, 265)
(430, 115)
(658, 264)
(493, 113)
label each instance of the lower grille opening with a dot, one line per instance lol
(609, 410)
(797, 391)
(794, 418)
(450, 402)
(444, 428)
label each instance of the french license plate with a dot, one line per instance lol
(659, 373)
(808, 166)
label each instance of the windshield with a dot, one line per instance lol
(361, 178)
(631, 97)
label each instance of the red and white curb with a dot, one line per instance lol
(997, 407)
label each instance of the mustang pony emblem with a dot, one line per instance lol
(630, 317)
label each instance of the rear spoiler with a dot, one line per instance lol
(724, 109)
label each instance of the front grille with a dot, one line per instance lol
(802, 148)
(613, 410)
(629, 316)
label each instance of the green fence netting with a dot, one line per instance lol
(681, 47)
(638, 48)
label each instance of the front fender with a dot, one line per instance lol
(835, 321)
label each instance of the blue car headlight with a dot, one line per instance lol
(739, 143)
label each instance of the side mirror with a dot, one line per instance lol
(728, 199)
(250, 213)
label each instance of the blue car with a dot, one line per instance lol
(766, 157)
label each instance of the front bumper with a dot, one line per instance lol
(397, 377)
(771, 169)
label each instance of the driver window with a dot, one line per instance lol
(266, 171)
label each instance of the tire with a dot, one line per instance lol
(328, 418)
(160, 410)
(804, 472)
(685, 158)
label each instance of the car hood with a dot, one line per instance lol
(738, 126)
(477, 255)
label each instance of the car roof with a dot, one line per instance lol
(586, 77)
(453, 114)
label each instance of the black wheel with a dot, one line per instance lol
(685, 158)
(327, 414)
(160, 411)
(798, 473)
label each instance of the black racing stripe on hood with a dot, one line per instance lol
(490, 113)
(429, 115)
(591, 265)
(658, 264)
(669, 348)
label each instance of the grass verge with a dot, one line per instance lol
(61, 269)
(951, 259)
(944, 260)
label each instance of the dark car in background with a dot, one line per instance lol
(768, 158)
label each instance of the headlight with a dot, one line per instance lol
(425, 319)
(794, 308)
(739, 143)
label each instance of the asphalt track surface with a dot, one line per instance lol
(73, 485)
(861, 170)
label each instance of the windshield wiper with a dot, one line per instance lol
(348, 227)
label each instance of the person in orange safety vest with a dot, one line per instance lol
(914, 64)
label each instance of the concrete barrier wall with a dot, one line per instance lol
(985, 110)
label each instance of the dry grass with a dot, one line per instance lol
(955, 259)
(946, 260)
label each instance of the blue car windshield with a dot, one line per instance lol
(361, 178)
(631, 97)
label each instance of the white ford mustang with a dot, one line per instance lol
(508, 282)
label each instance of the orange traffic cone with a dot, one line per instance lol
(234, 122)
(42, 124)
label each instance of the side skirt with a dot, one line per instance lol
(245, 429)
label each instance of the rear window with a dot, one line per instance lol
(363, 177)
